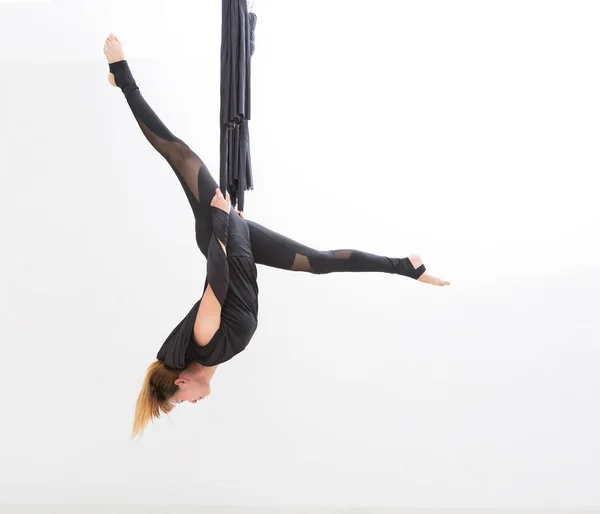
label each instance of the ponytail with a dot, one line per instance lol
(155, 397)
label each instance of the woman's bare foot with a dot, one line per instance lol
(113, 49)
(416, 261)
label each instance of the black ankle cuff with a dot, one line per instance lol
(123, 77)
(118, 66)
(404, 267)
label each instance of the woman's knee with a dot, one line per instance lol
(318, 263)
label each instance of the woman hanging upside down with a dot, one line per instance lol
(222, 322)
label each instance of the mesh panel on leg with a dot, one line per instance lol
(301, 263)
(323, 262)
(180, 156)
(343, 254)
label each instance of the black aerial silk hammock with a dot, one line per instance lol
(237, 47)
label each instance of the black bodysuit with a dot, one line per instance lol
(233, 275)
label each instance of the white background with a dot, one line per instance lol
(464, 131)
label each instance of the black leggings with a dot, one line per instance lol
(268, 248)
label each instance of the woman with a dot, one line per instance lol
(222, 322)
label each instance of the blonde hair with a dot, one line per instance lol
(155, 396)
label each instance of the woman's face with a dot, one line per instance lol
(190, 390)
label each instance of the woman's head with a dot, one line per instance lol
(164, 388)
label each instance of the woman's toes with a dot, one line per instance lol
(430, 279)
(113, 49)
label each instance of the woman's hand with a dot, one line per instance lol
(221, 203)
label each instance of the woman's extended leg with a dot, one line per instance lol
(277, 251)
(196, 180)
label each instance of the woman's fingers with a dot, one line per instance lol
(222, 203)
(220, 195)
